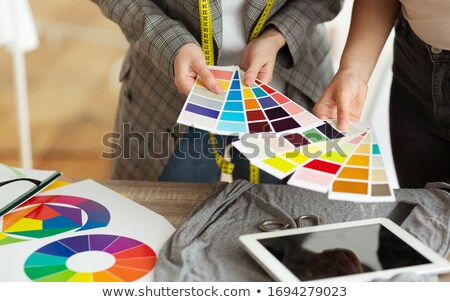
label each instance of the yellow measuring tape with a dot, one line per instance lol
(206, 30)
(262, 20)
(208, 51)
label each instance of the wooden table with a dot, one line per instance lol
(174, 201)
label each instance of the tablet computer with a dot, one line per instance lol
(362, 250)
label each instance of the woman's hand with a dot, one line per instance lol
(343, 99)
(190, 63)
(258, 59)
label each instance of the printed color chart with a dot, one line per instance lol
(242, 109)
(131, 260)
(44, 216)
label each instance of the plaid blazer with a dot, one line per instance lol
(149, 101)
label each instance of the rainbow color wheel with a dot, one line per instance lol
(132, 260)
(44, 216)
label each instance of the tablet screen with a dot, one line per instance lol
(341, 252)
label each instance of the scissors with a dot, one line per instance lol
(271, 225)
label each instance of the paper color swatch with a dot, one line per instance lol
(283, 139)
(242, 109)
(348, 168)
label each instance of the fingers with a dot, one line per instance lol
(325, 108)
(184, 84)
(343, 100)
(190, 63)
(208, 78)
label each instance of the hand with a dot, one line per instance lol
(258, 59)
(190, 63)
(343, 99)
(335, 262)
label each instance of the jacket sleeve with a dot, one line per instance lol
(148, 29)
(295, 21)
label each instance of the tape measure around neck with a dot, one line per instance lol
(262, 20)
(206, 31)
(208, 51)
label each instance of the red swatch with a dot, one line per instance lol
(267, 89)
(323, 166)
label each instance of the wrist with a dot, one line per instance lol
(356, 68)
(274, 34)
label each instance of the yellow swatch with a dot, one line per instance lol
(82, 277)
(279, 164)
(25, 224)
(56, 184)
(248, 94)
(295, 156)
(334, 156)
(224, 84)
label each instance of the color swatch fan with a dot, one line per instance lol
(349, 167)
(282, 138)
(242, 109)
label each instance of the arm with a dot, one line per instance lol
(295, 20)
(151, 32)
(290, 27)
(370, 26)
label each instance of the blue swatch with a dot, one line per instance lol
(234, 95)
(232, 116)
(258, 92)
(202, 111)
(235, 84)
(231, 127)
(267, 102)
(234, 106)
(375, 149)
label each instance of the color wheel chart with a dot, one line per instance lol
(81, 232)
(242, 109)
(44, 216)
(111, 259)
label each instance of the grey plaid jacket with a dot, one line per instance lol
(149, 101)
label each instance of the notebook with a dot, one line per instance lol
(18, 185)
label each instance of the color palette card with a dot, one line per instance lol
(363, 174)
(349, 166)
(242, 109)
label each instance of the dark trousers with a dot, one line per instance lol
(419, 110)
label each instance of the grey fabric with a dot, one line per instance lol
(156, 30)
(206, 246)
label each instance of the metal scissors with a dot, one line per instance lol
(271, 225)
